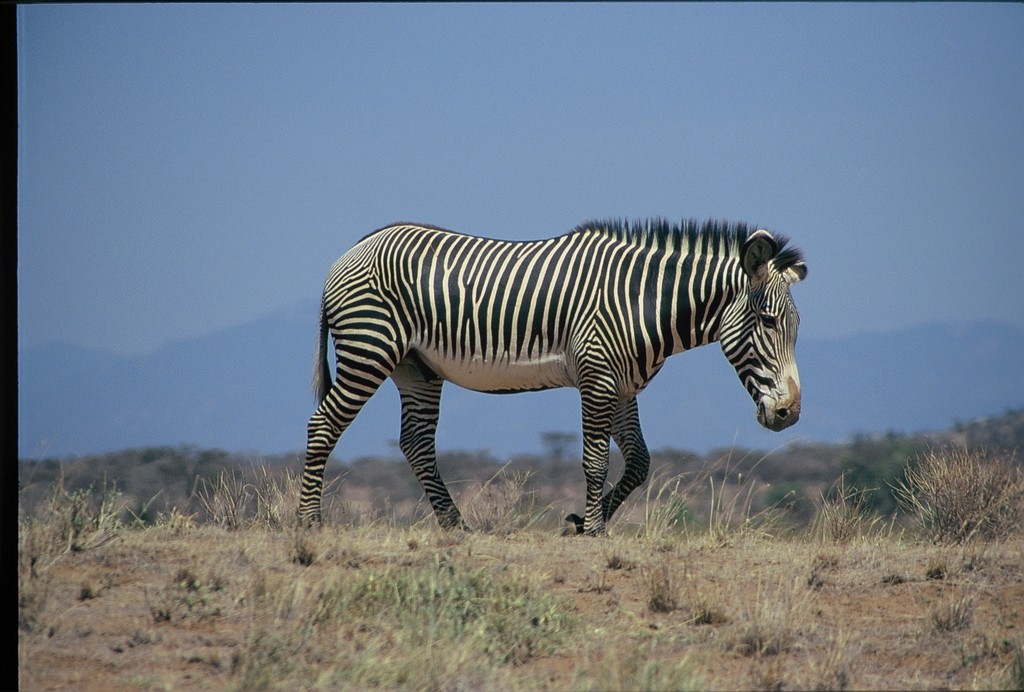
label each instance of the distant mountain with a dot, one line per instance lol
(247, 389)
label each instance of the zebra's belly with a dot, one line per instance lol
(502, 375)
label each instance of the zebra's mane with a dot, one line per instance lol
(687, 235)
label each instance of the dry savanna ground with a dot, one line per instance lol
(733, 599)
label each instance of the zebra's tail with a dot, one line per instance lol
(321, 368)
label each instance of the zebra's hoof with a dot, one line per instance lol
(575, 527)
(451, 520)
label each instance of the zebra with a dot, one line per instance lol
(599, 308)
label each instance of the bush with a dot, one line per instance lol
(960, 494)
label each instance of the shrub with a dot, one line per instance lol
(960, 494)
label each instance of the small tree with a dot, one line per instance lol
(557, 443)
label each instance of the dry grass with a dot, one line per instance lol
(662, 587)
(716, 503)
(242, 597)
(952, 614)
(504, 504)
(842, 513)
(959, 494)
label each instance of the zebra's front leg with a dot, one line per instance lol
(421, 399)
(630, 440)
(598, 408)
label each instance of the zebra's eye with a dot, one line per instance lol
(768, 320)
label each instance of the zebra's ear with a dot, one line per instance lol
(758, 250)
(795, 272)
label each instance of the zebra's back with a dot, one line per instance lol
(486, 314)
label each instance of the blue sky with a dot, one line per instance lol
(188, 168)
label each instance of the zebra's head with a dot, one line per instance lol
(758, 331)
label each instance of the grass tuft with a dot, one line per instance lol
(770, 626)
(639, 668)
(952, 615)
(843, 513)
(504, 504)
(732, 514)
(662, 588)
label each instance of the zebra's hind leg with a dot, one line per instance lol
(630, 440)
(356, 379)
(322, 435)
(420, 390)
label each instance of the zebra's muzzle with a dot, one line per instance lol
(779, 414)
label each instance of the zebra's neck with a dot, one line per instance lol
(703, 290)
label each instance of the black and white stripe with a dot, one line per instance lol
(599, 309)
